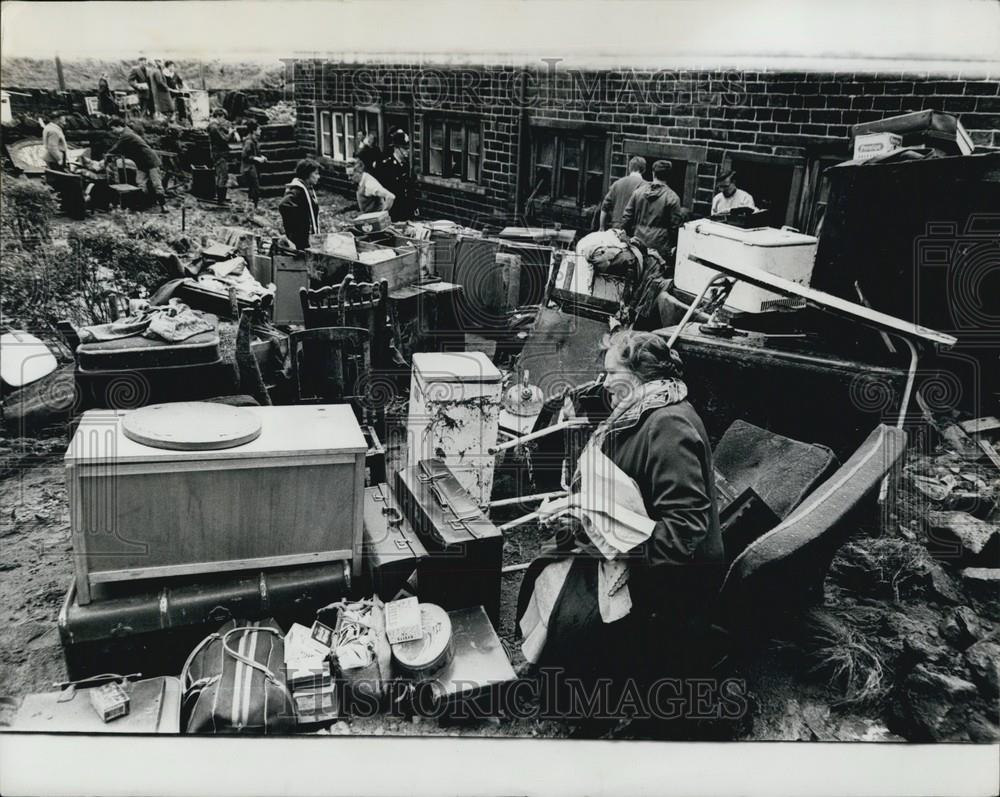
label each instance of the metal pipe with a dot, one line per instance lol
(519, 521)
(691, 309)
(910, 379)
(523, 499)
(557, 427)
(904, 407)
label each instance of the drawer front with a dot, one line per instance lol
(128, 521)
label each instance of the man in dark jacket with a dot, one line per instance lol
(369, 153)
(149, 175)
(394, 174)
(219, 136)
(653, 212)
(138, 80)
(299, 207)
(620, 192)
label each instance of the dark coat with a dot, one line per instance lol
(395, 178)
(294, 210)
(674, 575)
(131, 145)
(618, 196)
(370, 156)
(652, 214)
(136, 76)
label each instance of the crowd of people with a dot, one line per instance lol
(160, 89)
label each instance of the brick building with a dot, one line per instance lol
(499, 143)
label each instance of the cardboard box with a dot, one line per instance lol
(869, 145)
(402, 621)
(109, 701)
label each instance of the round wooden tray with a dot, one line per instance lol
(191, 426)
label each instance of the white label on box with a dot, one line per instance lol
(402, 621)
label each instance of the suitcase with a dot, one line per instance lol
(391, 549)
(478, 672)
(465, 549)
(154, 707)
(132, 388)
(139, 628)
(126, 354)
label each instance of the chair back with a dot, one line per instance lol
(786, 566)
(351, 304)
(330, 364)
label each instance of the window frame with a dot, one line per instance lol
(341, 149)
(796, 163)
(653, 151)
(587, 140)
(450, 123)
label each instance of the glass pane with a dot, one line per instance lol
(435, 161)
(595, 156)
(338, 136)
(473, 142)
(437, 135)
(571, 153)
(570, 179)
(546, 151)
(349, 136)
(594, 189)
(472, 172)
(454, 163)
(456, 139)
(543, 182)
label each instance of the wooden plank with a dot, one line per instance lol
(831, 303)
(359, 516)
(197, 568)
(981, 425)
(990, 450)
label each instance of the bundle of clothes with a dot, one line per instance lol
(644, 273)
(173, 322)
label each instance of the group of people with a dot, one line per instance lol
(161, 90)
(652, 212)
(383, 180)
(383, 183)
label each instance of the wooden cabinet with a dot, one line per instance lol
(292, 496)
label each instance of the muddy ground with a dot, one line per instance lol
(900, 650)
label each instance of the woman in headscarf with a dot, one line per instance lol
(622, 590)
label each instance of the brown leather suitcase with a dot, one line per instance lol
(391, 549)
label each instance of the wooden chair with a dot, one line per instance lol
(330, 365)
(126, 195)
(352, 304)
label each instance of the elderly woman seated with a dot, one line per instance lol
(622, 591)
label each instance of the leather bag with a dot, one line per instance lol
(234, 682)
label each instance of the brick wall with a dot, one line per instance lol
(704, 117)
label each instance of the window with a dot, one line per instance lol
(453, 148)
(336, 135)
(684, 161)
(569, 167)
(370, 120)
(774, 182)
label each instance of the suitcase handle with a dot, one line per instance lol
(393, 516)
(246, 660)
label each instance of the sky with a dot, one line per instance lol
(662, 32)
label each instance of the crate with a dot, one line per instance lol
(290, 497)
(400, 266)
